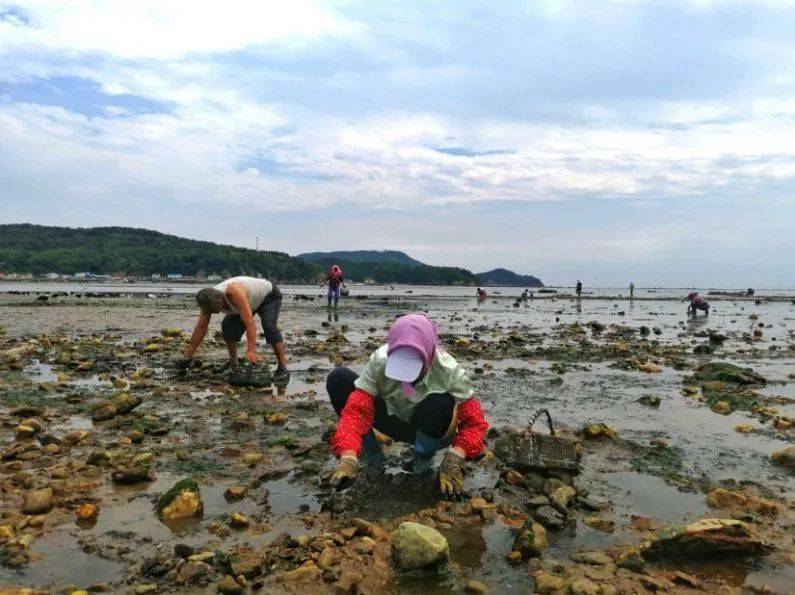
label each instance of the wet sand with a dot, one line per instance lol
(581, 360)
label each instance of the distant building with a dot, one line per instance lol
(155, 276)
(53, 276)
(82, 275)
(214, 277)
(174, 276)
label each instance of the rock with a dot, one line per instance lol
(183, 550)
(548, 583)
(308, 572)
(690, 390)
(650, 400)
(183, 500)
(229, 586)
(129, 475)
(474, 586)
(252, 458)
(650, 368)
(531, 540)
(549, 517)
(417, 546)
(38, 501)
(238, 521)
(584, 586)
(744, 428)
(141, 589)
(276, 419)
(513, 477)
(235, 492)
(782, 425)
(721, 498)
(724, 372)
(249, 564)
(87, 512)
(599, 430)
(24, 432)
(326, 559)
(562, 496)
(705, 537)
(722, 407)
(785, 457)
(596, 557)
(74, 437)
(118, 404)
(600, 524)
(630, 559)
(514, 558)
(51, 449)
(348, 582)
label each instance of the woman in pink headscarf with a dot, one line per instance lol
(414, 392)
(697, 303)
(334, 280)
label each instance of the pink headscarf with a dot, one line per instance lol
(417, 332)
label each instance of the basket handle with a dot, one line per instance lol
(538, 414)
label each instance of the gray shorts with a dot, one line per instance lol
(232, 326)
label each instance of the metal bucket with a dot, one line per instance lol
(531, 451)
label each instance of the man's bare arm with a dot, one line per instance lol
(199, 331)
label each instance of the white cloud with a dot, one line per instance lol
(166, 29)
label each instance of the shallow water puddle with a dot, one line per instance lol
(81, 569)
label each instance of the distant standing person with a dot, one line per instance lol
(240, 298)
(334, 280)
(578, 288)
(697, 303)
(631, 291)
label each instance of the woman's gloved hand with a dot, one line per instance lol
(451, 475)
(346, 471)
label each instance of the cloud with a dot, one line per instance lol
(422, 109)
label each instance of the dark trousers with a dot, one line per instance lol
(432, 416)
(232, 326)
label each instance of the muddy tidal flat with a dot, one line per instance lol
(683, 426)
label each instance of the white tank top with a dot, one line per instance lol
(258, 290)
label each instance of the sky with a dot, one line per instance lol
(608, 141)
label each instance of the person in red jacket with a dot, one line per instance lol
(412, 391)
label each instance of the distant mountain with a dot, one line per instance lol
(506, 278)
(389, 272)
(380, 256)
(38, 249)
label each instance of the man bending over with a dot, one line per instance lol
(240, 298)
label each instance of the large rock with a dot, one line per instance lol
(118, 404)
(729, 373)
(705, 537)
(38, 501)
(722, 498)
(182, 501)
(531, 540)
(417, 546)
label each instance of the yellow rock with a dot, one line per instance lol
(722, 407)
(600, 524)
(744, 428)
(276, 419)
(650, 368)
(593, 431)
(721, 498)
(783, 424)
(184, 505)
(152, 347)
(252, 458)
(87, 512)
(238, 521)
(548, 583)
(690, 390)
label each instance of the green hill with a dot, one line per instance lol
(38, 249)
(358, 256)
(506, 278)
(388, 272)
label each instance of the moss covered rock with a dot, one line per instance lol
(182, 501)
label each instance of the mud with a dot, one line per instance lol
(587, 362)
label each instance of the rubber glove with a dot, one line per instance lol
(346, 471)
(451, 475)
